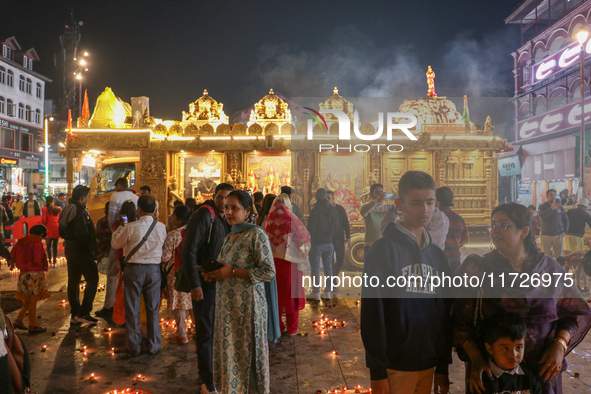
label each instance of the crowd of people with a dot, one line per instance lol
(235, 264)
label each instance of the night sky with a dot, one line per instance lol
(171, 50)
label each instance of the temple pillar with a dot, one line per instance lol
(154, 167)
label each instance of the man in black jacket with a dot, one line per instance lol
(77, 229)
(322, 227)
(342, 234)
(203, 242)
(554, 225)
(32, 207)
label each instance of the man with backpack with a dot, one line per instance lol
(77, 230)
(204, 237)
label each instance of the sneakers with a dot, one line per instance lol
(206, 390)
(105, 313)
(86, 319)
(74, 321)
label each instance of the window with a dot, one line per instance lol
(10, 108)
(105, 178)
(7, 138)
(10, 78)
(26, 142)
(39, 146)
(30, 64)
(2, 105)
(28, 114)
(21, 83)
(25, 62)
(38, 93)
(2, 75)
(7, 52)
(28, 85)
(21, 111)
(37, 116)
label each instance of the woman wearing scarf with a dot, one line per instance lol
(556, 315)
(240, 342)
(171, 262)
(290, 242)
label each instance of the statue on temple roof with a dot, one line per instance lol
(431, 82)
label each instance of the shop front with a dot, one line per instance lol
(7, 164)
(549, 164)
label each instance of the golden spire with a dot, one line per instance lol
(271, 91)
(335, 91)
(205, 92)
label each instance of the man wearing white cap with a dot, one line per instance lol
(578, 217)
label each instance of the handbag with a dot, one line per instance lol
(164, 274)
(124, 259)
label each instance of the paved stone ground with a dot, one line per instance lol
(299, 365)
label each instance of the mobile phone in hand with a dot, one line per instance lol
(125, 219)
(390, 196)
(557, 201)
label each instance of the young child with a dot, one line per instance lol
(406, 328)
(30, 258)
(504, 337)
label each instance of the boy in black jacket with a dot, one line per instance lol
(405, 326)
(504, 336)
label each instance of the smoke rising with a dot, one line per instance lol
(352, 61)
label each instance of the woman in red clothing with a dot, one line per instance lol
(290, 241)
(50, 214)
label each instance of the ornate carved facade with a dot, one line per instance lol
(464, 161)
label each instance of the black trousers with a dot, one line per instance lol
(51, 246)
(81, 263)
(204, 312)
(339, 249)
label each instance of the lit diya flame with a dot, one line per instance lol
(92, 376)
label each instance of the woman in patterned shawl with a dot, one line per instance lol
(556, 315)
(290, 242)
(240, 345)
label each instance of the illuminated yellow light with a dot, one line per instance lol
(96, 152)
(82, 62)
(111, 130)
(176, 137)
(78, 76)
(215, 138)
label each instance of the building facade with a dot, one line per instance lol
(22, 138)
(547, 96)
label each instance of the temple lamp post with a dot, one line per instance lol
(582, 37)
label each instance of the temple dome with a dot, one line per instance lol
(337, 102)
(205, 108)
(434, 111)
(270, 107)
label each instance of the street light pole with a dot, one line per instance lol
(582, 36)
(79, 77)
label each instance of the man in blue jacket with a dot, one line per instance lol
(405, 325)
(554, 225)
